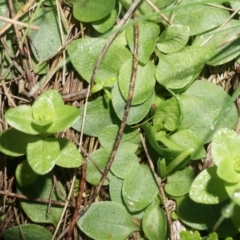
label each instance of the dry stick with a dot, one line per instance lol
(155, 8)
(160, 187)
(38, 200)
(126, 111)
(9, 20)
(17, 16)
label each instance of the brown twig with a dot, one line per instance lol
(38, 200)
(160, 187)
(124, 120)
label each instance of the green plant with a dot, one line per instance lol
(176, 113)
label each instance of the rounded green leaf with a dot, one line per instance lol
(29, 231)
(208, 188)
(99, 115)
(107, 136)
(125, 160)
(142, 91)
(43, 109)
(134, 188)
(14, 143)
(42, 188)
(21, 118)
(226, 52)
(115, 189)
(42, 155)
(154, 223)
(233, 191)
(107, 221)
(47, 21)
(209, 100)
(148, 35)
(88, 11)
(84, 53)
(196, 215)
(65, 116)
(25, 175)
(105, 23)
(179, 183)
(69, 156)
(136, 113)
(173, 38)
(225, 145)
(96, 163)
(199, 18)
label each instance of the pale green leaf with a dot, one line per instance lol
(136, 113)
(84, 53)
(14, 143)
(148, 35)
(107, 220)
(134, 188)
(21, 118)
(29, 231)
(42, 154)
(69, 156)
(88, 11)
(173, 39)
(142, 91)
(208, 188)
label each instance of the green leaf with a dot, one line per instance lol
(115, 189)
(89, 11)
(199, 18)
(178, 70)
(69, 156)
(208, 99)
(154, 223)
(25, 175)
(148, 35)
(173, 38)
(168, 112)
(225, 41)
(38, 212)
(196, 215)
(43, 109)
(84, 53)
(107, 220)
(3, 12)
(42, 154)
(189, 235)
(134, 188)
(233, 191)
(105, 23)
(65, 116)
(14, 143)
(236, 217)
(124, 161)
(21, 118)
(49, 33)
(28, 231)
(186, 139)
(208, 188)
(99, 115)
(96, 163)
(136, 113)
(179, 183)
(108, 134)
(142, 91)
(53, 96)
